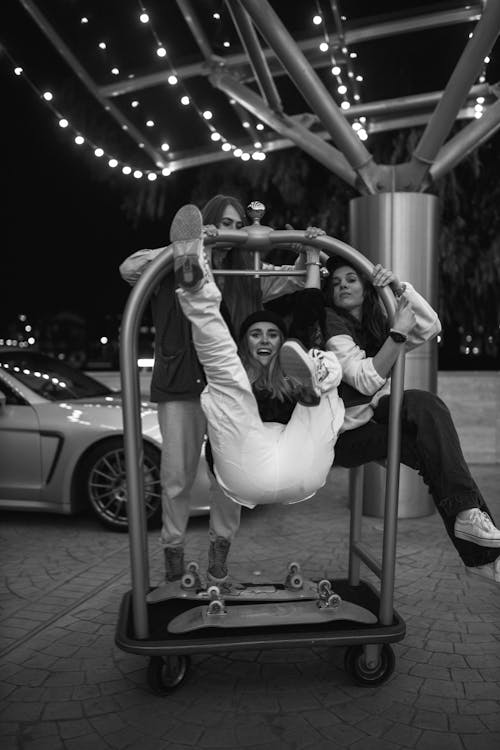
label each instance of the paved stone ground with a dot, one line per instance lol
(66, 685)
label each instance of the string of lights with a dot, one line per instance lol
(336, 70)
(342, 69)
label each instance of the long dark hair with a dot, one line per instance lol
(241, 294)
(371, 331)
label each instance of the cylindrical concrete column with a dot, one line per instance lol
(399, 230)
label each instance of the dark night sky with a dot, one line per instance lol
(66, 230)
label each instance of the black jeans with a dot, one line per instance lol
(429, 444)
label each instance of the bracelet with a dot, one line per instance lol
(313, 263)
(400, 291)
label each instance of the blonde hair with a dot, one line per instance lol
(269, 378)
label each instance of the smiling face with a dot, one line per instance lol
(347, 290)
(263, 341)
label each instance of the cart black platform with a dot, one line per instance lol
(142, 627)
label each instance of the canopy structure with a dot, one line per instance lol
(174, 85)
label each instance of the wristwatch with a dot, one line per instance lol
(399, 338)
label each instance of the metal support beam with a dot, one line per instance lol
(196, 30)
(196, 158)
(125, 125)
(466, 72)
(251, 45)
(366, 32)
(327, 155)
(313, 90)
(466, 141)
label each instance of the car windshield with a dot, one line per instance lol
(51, 378)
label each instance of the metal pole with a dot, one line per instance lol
(466, 141)
(196, 29)
(312, 88)
(327, 155)
(251, 45)
(133, 438)
(125, 125)
(391, 493)
(462, 78)
(355, 526)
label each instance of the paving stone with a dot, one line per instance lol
(21, 712)
(77, 728)
(60, 711)
(444, 741)
(89, 742)
(443, 687)
(486, 741)
(43, 743)
(430, 720)
(403, 735)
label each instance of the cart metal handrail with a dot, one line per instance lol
(256, 238)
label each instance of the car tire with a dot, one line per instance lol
(102, 482)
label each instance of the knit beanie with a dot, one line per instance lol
(336, 261)
(263, 316)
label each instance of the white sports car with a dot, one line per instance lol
(61, 443)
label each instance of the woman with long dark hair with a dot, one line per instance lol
(357, 331)
(178, 380)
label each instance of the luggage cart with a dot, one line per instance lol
(142, 626)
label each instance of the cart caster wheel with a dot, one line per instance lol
(294, 567)
(189, 581)
(333, 601)
(355, 664)
(216, 607)
(213, 592)
(294, 581)
(165, 673)
(192, 567)
(324, 588)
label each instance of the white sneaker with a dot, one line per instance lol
(313, 370)
(191, 268)
(490, 572)
(328, 369)
(477, 528)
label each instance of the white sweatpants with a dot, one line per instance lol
(257, 463)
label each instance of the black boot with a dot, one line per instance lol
(174, 563)
(217, 555)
